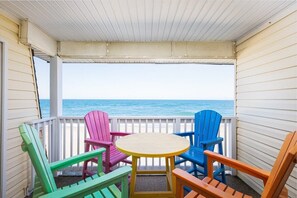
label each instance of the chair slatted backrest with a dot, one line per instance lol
(283, 166)
(32, 144)
(98, 125)
(207, 124)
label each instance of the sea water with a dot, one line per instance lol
(171, 108)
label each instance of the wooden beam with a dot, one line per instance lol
(36, 38)
(146, 52)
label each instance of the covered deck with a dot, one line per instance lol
(258, 37)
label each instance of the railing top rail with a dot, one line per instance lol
(141, 117)
(41, 120)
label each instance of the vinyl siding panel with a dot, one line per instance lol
(266, 96)
(22, 106)
(15, 66)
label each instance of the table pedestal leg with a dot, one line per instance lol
(167, 173)
(153, 194)
(133, 176)
(172, 179)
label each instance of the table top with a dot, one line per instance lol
(152, 145)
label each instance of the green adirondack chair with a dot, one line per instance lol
(99, 185)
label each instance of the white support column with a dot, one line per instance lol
(55, 105)
(56, 86)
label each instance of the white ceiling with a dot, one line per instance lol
(146, 20)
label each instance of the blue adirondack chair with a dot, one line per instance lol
(205, 137)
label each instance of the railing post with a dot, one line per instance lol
(54, 132)
(177, 125)
(55, 143)
(233, 143)
(114, 124)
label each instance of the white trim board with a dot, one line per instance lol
(3, 115)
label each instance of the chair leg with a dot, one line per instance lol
(223, 174)
(84, 170)
(222, 165)
(107, 168)
(195, 170)
(205, 170)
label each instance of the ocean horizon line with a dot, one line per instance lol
(140, 107)
(146, 99)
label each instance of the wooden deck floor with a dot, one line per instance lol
(157, 183)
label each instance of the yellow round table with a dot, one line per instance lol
(153, 145)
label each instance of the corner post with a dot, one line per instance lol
(55, 105)
(233, 143)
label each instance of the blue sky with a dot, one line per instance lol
(141, 81)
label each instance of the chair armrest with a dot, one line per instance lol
(207, 143)
(184, 134)
(238, 165)
(92, 186)
(76, 159)
(183, 178)
(189, 134)
(98, 143)
(115, 133)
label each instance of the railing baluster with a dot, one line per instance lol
(50, 134)
(64, 139)
(126, 125)
(166, 126)
(71, 137)
(225, 135)
(78, 139)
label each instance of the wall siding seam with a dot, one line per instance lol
(248, 160)
(253, 143)
(248, 54)
(259, 56)
(267, 72)
(242, 131)
(255, 65)
(285, 34)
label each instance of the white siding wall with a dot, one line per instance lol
(266, 95)
(22, 106)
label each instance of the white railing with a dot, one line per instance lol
(63, 137)
(45, 127)
(72, 132)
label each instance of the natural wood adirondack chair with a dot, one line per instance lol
(99, 185)
(274, 181)
(204, 137)
(100, 136)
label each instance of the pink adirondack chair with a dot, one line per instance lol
(100, 136)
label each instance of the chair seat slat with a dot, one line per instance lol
(238, 194)
(192, 194)
(229, 190)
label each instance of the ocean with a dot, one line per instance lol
(172, 108)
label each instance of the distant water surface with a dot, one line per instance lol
(141, 107)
